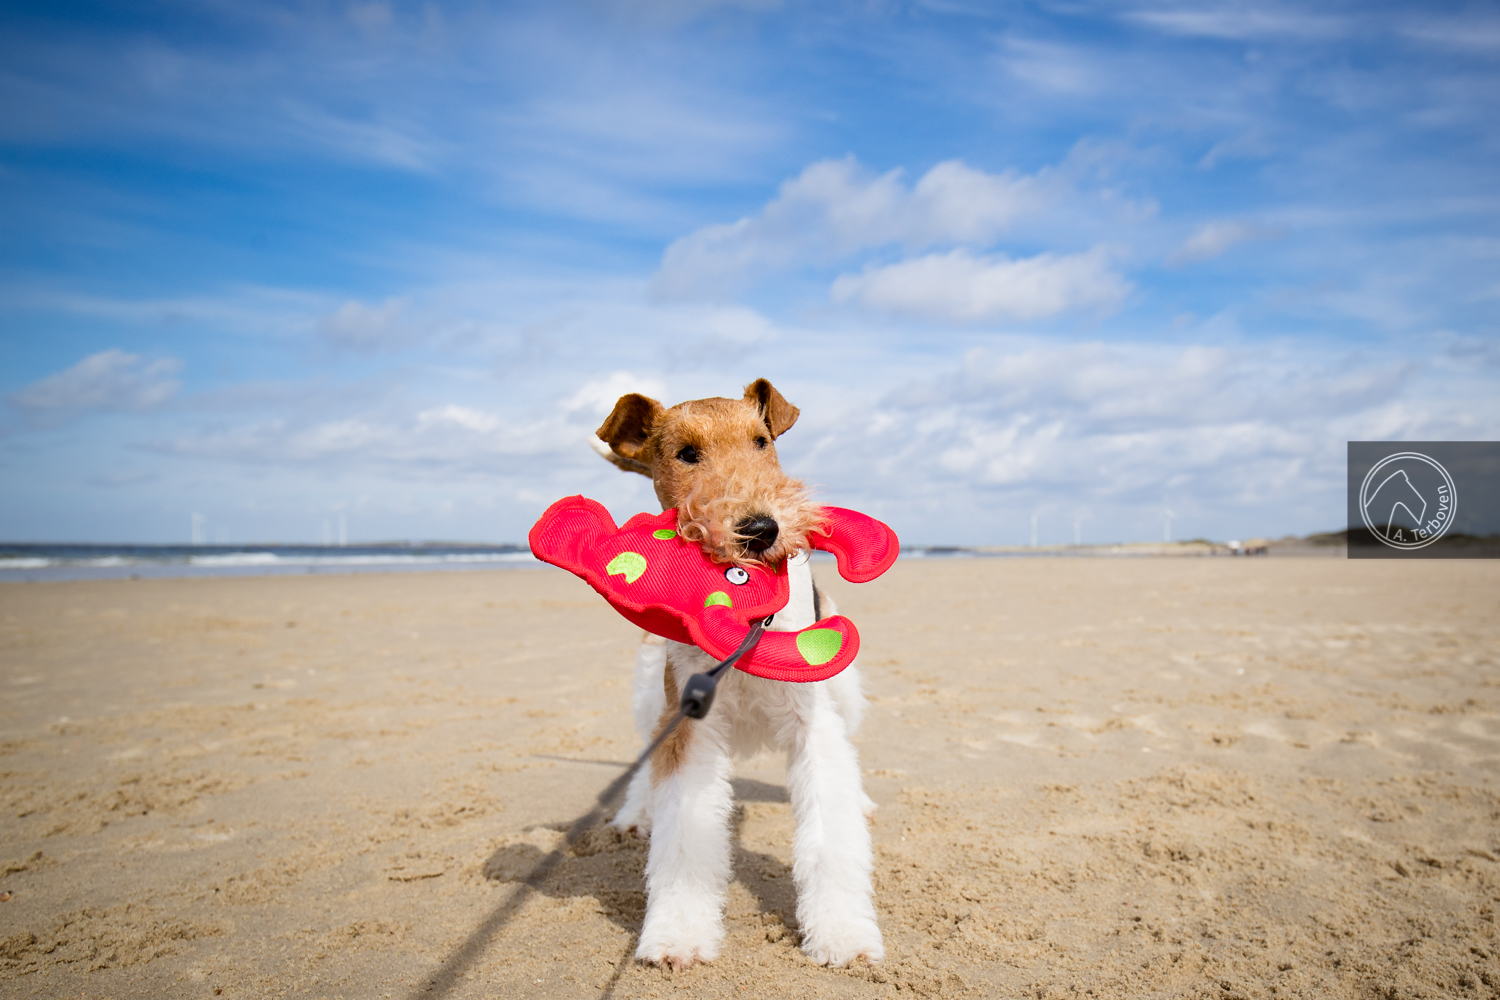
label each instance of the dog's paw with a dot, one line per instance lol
(638, 825)
(633, 818)
(677, 955)
(839, 946)
(681, 929)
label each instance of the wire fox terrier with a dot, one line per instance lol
(714, 460)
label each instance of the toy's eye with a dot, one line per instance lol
(736, 576)
(761, 442)
(688, 454)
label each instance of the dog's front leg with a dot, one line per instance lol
(688, 868)
(831, 864)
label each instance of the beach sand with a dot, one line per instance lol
(1108, 777)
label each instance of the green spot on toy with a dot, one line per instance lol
(819, 645)
(718, 597)
(630, 564)
(664, 534)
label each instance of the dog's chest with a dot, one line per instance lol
(798, 613)
(751, 711)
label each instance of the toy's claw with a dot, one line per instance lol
(812, 654)
(865, 547)
(570, 529)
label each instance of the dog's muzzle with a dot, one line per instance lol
(759, 533)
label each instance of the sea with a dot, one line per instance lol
(38, 562)
(24, 561)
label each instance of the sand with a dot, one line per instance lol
(1113, 778)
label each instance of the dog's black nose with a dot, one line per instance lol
(759, 532)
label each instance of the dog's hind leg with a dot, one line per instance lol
(832, 862)
(846, 686)
(635, 812)
(647, 695)
(646, 701)
(848, 691)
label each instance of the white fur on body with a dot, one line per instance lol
(688, 813)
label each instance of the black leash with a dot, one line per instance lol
(697, 699)
(698, 692)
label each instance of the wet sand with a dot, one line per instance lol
(1135, 777)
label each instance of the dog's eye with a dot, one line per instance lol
(736, 576)
(688, 454)
(761, 442)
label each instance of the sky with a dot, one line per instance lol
(1097, 271)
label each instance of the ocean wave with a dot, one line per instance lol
(99, 562)
(252, 559)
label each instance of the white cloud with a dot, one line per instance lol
(599, 396)
(1057, 68)
(961, 287)
(360, 327)
(1237, 441)
(1240, 22)
(1213, 238)
(396, 144)
(521, 106)
(1467, 33)
(109, 380)
(447, 440)
(465, 417)
(834, 209)
(248, 310)
(674, 12)
(370, 16)
(1250, 145)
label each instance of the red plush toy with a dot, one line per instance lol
(666, 585)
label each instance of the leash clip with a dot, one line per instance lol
(698, 692)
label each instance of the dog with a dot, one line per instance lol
(714, 461)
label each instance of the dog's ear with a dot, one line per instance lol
(778, 414)
(623, 464)
(627, 427)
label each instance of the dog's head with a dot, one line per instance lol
(714, 460)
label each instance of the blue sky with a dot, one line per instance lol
(1088, 262)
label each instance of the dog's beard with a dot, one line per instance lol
(711, 522)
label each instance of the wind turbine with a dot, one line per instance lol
(200, 532)
(1166, 524)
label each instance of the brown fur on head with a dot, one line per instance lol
(714, 460)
